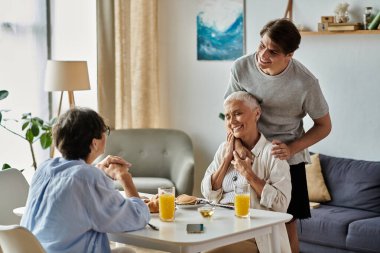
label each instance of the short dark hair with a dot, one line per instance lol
(74, 131)
(284, 33)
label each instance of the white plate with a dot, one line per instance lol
(189, 206)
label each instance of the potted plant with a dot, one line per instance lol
(32, 130)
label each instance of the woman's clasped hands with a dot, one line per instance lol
(114, 166)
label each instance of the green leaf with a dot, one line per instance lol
(29, 136)
(6, 166)
(25, 125)
(222, 116)
(3, 94)
(45, 141)
(1, 116)
(26, 115)
(35, 129)
(39, 120)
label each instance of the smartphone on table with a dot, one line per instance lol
(195, 228)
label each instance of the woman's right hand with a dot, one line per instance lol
(111, 159)
(116, 171)
(228, 152)
(120, 172)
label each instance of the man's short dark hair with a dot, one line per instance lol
(74, 131)
(283, 33)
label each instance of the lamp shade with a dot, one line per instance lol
(66, 76)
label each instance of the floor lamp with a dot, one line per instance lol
(67, 76)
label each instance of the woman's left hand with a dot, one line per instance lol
(280, 150)
(244, 167)
(112, 159)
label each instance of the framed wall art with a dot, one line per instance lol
(220, 29)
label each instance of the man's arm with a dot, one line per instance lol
(320, 129)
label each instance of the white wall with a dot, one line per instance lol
(74, 38)
(192, 91)
(346, 65)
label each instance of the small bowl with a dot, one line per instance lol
(206, 211)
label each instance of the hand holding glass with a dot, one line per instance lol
(166, 197)
(242, 200)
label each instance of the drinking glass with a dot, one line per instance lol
(166, 198)
(242, 200)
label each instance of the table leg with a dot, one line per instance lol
(275, 239)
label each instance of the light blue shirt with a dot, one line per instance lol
(72, 205)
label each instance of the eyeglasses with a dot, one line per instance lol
(108, 130)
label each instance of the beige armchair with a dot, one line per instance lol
(159, 157)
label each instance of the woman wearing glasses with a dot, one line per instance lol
(73, 204)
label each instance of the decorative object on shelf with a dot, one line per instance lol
(220, 29)
(375, 22)
(341, 27)
(341, 13)
(325, 21)
(322, 27)
(367, 17)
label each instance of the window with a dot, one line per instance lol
(23, 50)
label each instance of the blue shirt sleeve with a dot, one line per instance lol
(108, 211)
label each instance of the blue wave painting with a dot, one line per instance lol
(214, 43)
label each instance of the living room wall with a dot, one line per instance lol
(346, 66)
(192, 91)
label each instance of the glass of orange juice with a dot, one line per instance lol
(166, 198)
(242, 200)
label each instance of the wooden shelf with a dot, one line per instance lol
(341, 33)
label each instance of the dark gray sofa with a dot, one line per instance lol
(350, 222)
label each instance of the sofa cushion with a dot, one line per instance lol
(363, 235)
(306, 247)
(352, 183)
(329, 225)
(316, 186)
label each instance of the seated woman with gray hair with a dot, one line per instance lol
(246, 158)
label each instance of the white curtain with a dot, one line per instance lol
(128, 63)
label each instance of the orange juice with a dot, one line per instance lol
(166, 206)
(242, 205)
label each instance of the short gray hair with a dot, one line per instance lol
(250, 100)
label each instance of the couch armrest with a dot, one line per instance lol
(182, 174)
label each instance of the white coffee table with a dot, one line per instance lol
(222, 229)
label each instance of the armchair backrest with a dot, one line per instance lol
(163, 153)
